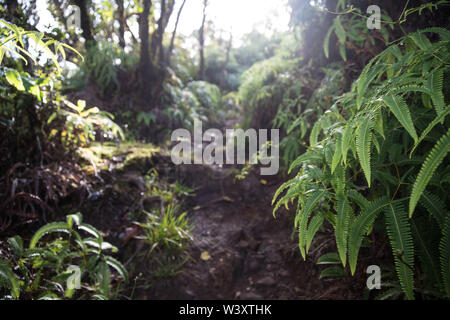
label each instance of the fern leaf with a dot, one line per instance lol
(343, 210)
(400, 110)
(346, 140)
(420, 40)
(326, 43)
(427, 256)
(433, 161)
(362, 202)
(290, 194)
(435, 84)
(314, 135)
(431, 126)
(314, 225)
(435, 207)
(304, 157)
(399, 231)
(361, 226)
(303, 217)
(337, 154)
(363, 142)
(444, 249)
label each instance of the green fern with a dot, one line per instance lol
(313, 227)
(435, 85)
(360, 227)
(343, 210)
(363, 142)
(444, 248)
(433, 161)
(400, 236)
(401, 112)
(303, 215)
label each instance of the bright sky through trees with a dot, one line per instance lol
(238, 16)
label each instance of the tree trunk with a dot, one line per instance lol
(226, 62)
(145, 62)
(201, 39)
(121, 20)
(174, 33)
(85, 20)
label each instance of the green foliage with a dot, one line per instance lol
(101, 66)
(12, 43)
(371, 132)
(43, 269)
(81, 124)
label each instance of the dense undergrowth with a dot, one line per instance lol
(363, 116)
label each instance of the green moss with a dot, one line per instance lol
(126, 155)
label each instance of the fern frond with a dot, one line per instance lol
(343, 210)
(314, 226)
(337, 154)
(309, 156)
(290, 194)
(399, 231)
(421, 41)
(431, 126)
(400, 110)
(433, 161)
(444, 249)
(426, 253)
(435, 207)
(314, 135)
(346, 140)
(303, 217)
(361, 226)
(362, 202)
(435, 84)
(363, 141)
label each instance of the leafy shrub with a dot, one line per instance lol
(43, 269)
(81, 124)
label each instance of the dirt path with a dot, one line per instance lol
(247, 254)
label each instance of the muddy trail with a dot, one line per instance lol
(240, 251)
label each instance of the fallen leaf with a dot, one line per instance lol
(205, 256)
